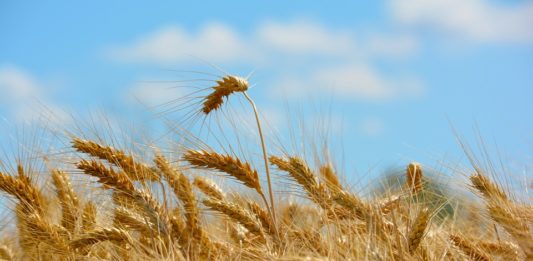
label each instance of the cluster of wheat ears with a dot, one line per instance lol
(198, 220)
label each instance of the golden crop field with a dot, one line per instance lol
(99, 201)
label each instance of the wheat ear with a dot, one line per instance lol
(42, 231)
(414, 177)
(225, 87)
(134, 169)
(516, 227)
(104, 234)
(209, 187)
(417, 230)
(125, 187)
(68, 199)
(329, 175)
(28, 195)
(263, 216)
(182, 188)
(469, 249)
(88, 218)
(503, 211)
(504, 249)
(487, 188)
(108, 177)
(234, 167)
(6, 253)
(238, 214)
(125, 218)
(304, 176)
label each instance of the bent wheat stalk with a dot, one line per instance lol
(265, 157)
(228, 85)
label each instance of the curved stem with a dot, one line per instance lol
(265, 158)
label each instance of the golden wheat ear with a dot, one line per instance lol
(134, 169)
(226, 86)
(414, 177)
(238, 214)
(418, 229)
(68, 200)
(209, 187)
(6, 253)
(470, 250)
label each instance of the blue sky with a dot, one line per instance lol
(394, 76)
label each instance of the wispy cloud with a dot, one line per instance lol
(24, 99)
(321, 58)
(153, 94)
(216, 42)
(474, 20)
(371, 127)
(350, 81)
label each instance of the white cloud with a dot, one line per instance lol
(16, 85)
(314, 54)
(153, 94)
(477, 20)
(392, 45)
(305, 38)
(24, 98)
(351, 81)
(215, 42)
(372, 127)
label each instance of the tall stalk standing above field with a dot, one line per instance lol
(225, 87)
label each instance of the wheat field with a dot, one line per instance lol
(111, 203)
